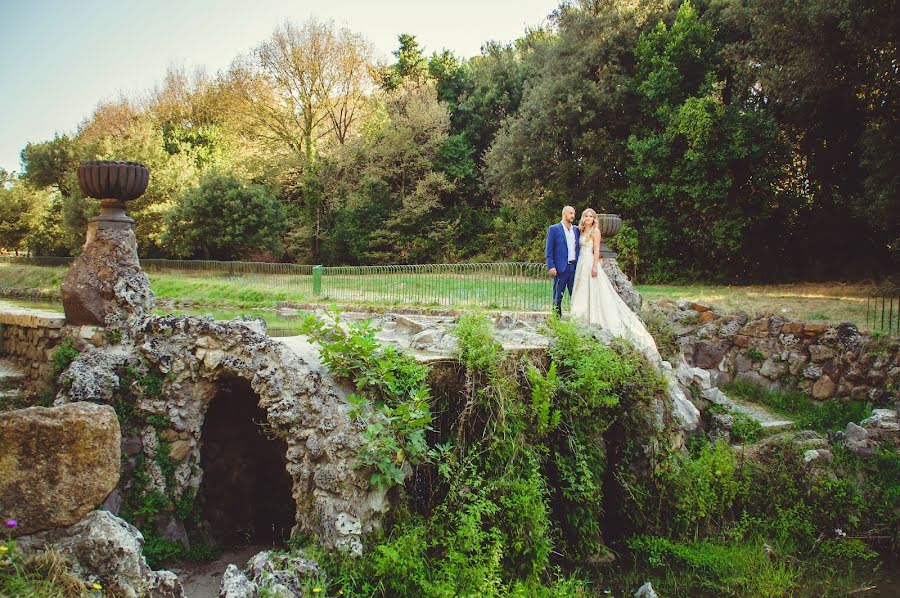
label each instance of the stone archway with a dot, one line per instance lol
(246, 488)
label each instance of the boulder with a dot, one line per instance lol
(819, 353)
(742, 363)
(57, 464)
(708, 316)
(773, 367)
(103, 546)
(620, 282)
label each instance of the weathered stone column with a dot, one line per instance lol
(105, 284)
(610, 225)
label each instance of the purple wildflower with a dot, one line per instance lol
(10, 523)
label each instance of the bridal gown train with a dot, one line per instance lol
(595, 301)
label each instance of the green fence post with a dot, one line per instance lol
(317, 280)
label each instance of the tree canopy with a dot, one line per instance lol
(739, 140)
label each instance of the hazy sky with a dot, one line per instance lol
(61, 57)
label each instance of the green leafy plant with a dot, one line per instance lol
(754, 354)
(392, 397)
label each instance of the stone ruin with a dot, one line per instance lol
(218, 410)
(191, 408)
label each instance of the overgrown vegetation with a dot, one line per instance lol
(392, 395)
(531, 455)
(143, 501)
(822, 416)
(45, 574)
(64, 354)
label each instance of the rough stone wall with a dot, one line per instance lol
(827, 361)
(28, 339)
(305, 408)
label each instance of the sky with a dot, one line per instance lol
(60, 58)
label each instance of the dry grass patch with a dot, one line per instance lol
(828, 302)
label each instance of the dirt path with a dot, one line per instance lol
(202, 580)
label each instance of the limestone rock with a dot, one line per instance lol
(823, 388)
(646, 591)
(684, 412)
(105, 285)
(720, 427)
(772, 368)
(281, 574)
(821, 454)
(57, 464)
(757, 328)
(109, 548)
(820, 353)
(714, 395)
(708, 354)
(236, 585)
(621, 283)
(882, 425)
(856, 439)
(688, 375)
(427, 339)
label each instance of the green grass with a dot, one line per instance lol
(835, 302)
(799, 406)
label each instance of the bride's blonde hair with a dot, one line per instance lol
(581, 225)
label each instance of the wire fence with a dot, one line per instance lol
(883, 310)
(521, 286)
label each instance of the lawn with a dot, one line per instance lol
(829, 302)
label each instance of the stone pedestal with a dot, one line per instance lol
(621, 283)
(105, 284)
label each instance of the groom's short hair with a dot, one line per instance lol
(563, 213)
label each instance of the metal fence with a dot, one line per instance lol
(510, 285)
(883, 310)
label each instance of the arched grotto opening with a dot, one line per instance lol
(246, 489)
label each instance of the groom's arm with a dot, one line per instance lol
(548, 252)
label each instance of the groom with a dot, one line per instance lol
(562, 254)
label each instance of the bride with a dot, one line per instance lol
(594, 300)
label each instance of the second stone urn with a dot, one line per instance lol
(609, 225)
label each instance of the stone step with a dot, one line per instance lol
(11, 376)
(771, 422)
(11, 399)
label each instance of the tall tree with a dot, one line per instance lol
(304, 85)
(51, 163)
(304, 88)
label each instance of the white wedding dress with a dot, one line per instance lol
(595, 301)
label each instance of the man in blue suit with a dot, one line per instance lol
(562, 255)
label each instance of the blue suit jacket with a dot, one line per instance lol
(556, 251)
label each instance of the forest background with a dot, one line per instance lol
(740, 141)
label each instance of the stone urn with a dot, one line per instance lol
(610, 225)
(105, 285)
(113, 183)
